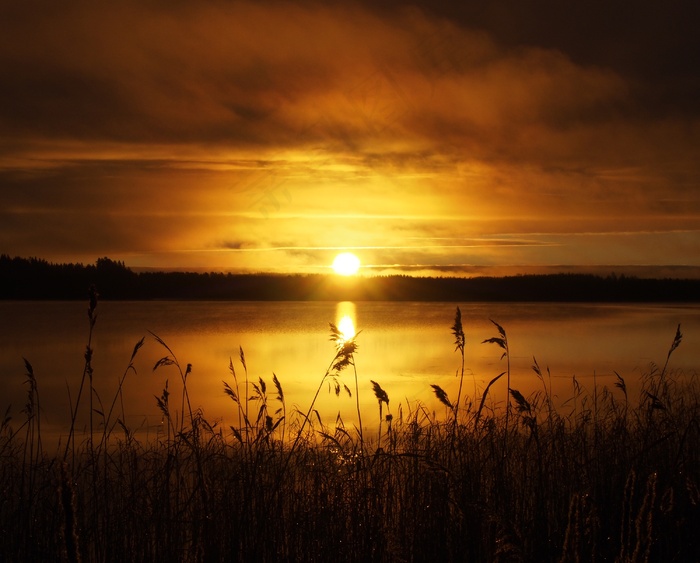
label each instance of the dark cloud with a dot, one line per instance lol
(656, 46)
(164, 128)
(251, 75)
(494, 81)
(237, 245)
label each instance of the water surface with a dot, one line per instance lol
(405, 347)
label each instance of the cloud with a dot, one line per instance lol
(163, 129)
(215, 81)
(250, 75)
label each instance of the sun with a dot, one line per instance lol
(346, 264)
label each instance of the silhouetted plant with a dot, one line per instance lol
(382, 397)
(597, 480)
(502, 341)
(87, 372)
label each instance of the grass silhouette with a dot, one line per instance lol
(600, 478)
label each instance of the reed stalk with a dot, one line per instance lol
(435, 489)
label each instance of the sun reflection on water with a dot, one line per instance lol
(345, 319)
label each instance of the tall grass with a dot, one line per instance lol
(606, 477)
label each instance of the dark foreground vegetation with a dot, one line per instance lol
(37, 279)
(605, 478)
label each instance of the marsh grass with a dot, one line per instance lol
(605, 477)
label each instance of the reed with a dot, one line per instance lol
(382, 398)
(604, 477)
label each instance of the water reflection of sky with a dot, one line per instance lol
(405, 347)
(346, 318)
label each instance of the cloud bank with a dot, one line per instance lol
(216, 133)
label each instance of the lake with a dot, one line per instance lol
(405, 347)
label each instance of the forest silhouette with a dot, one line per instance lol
(34, 278)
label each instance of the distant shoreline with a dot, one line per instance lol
(35, 279)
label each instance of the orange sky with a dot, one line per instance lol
(428, 138)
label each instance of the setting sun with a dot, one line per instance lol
(346, 264)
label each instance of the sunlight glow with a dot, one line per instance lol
(346, 264)
(347, 327)
(345, 318)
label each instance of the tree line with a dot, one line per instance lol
(34, 278)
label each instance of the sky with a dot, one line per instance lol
(429, 138)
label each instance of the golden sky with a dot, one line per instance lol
(426, 137)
